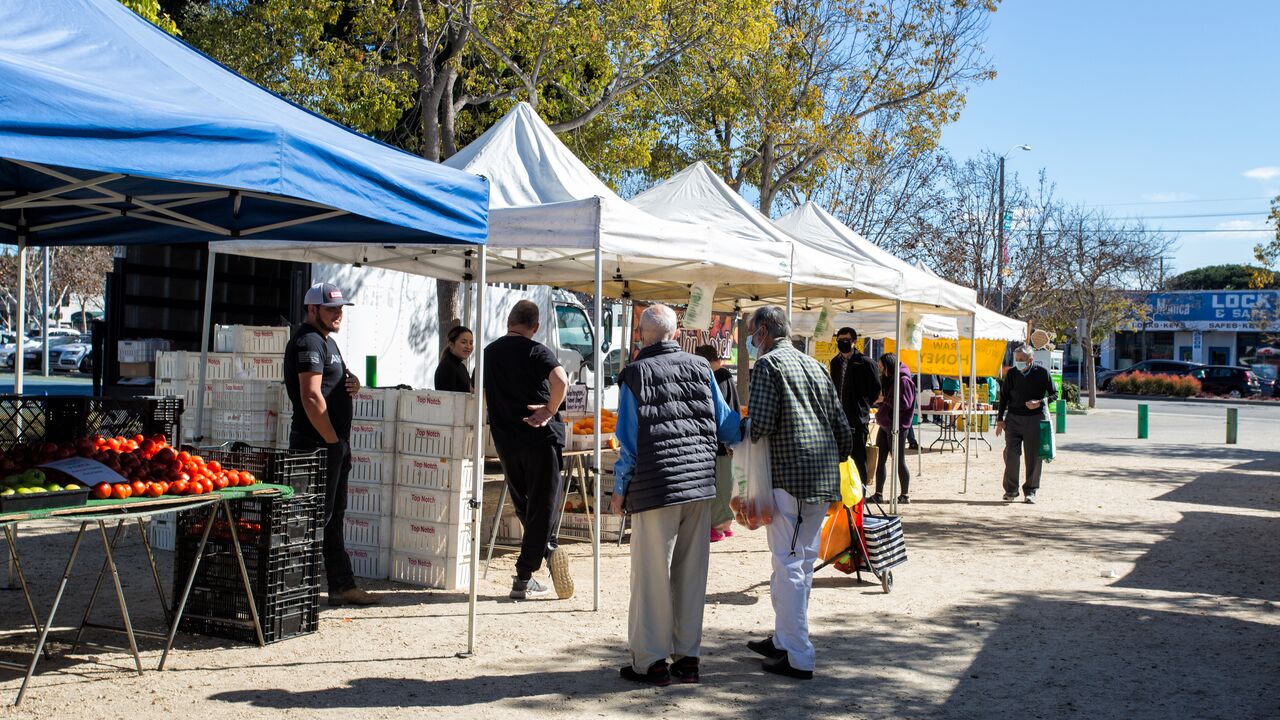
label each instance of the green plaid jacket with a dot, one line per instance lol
(793, 403)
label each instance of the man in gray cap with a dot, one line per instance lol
(320, 388)
(1026, 390)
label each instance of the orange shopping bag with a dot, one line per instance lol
(836, 528)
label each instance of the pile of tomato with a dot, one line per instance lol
(152, 467)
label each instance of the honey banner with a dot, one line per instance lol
(938, 357)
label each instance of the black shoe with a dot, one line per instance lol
(766, 648)
(904, 500)
(781, 666)
(913, 446)
(527, 589)
(1031, 498)
(657, 675)
(876, 499)
(685, 670)
(1010, 498)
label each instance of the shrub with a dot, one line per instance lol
(1187, 386)
(1071, 393)
(1123, 384)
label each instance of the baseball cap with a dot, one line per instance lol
(326, 294)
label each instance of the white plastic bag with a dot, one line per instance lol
(752, 502)
(697, 316)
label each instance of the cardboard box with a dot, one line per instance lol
(135, 370)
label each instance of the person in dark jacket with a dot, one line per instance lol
(671, 418)
(451, 373)
(1026, 390)
(858, 386)
(721, 513)
(889, 367)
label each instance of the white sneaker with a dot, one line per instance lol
(528, 589)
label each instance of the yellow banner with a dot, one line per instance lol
(938, 357)
(824, 350)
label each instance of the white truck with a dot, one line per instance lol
(395, 319)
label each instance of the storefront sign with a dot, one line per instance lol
(1247, 310)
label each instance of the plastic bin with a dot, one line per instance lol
(448, 507)
(367, 499)
(437, 407)
(444, 573)
(434, 473)
(370, 562)
(362, 529)
(373, 436)
(428, 538)
(255, 339)
(257, 367)
(250, 395)
(374, 468)
(375, 404)
(437, 441)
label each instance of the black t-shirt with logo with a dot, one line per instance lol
(516, 375)
(310, 351)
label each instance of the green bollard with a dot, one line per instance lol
(1232, 425)
(1142, 422)
(1062, 417)
(370, 370)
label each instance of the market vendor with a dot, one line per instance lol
(320, 387)
(451, 374)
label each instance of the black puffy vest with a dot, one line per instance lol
(676, 438)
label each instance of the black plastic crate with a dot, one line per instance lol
(301, 470)
(32, 418)
(272, 572)
(265, 522)
(216, 614)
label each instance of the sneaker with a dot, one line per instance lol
(766, 648)
(1010, 498)
(716, 535)
(558, 563)
(528, 589)
(904, 500)
(1031, 498)
(656, 675)
(685, 670)
(781, 666)
(353, 596)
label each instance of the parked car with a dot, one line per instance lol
(7, 350)
(1226, 380)
(73, 357)
(34, 347)
(1155, 367)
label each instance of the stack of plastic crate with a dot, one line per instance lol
(435, 441)
(367, 529)
(177, 374)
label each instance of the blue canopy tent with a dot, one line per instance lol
(113, 132)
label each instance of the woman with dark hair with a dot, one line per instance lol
(451, 374)
(889, 367)
(721, 513)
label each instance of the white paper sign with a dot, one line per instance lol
(87, 472)
(576, 399)
(698, 315)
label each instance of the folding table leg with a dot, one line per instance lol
(180, 602)
(244, 572)
(12, 537)
(581, 470)
(124, 608)
(155, 573)
(497, 522)
(93, 596)
(53, 611)
(16, 563)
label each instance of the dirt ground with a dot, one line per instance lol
(1144, 584)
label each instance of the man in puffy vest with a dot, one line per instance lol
(670, 418)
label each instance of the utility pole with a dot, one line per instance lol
(1000, 236)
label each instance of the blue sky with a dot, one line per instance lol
(1141, 108)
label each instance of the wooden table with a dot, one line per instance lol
(100, 513)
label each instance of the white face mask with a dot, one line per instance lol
(1026, 365)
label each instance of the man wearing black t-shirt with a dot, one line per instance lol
(524, 388)
(320, 388)
(1026, 390)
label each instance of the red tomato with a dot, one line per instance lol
(102, 491)
(220, 483)
(215, 466)
(247, 478)
(184, 456)
(121, 491)
(154, 490)
(139, 487)
(164, 487)
(180, 487)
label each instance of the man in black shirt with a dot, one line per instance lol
(524, 388)
(858, 386)
(320, 388)
(1026, 389)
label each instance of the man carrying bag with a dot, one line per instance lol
(1026, 390)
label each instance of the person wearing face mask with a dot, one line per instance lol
(1026, 390)
(858, 386)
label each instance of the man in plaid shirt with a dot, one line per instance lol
(793, 404)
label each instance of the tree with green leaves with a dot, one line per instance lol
(152, 11)
(1221, 277)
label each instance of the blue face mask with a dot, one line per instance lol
(753, 350)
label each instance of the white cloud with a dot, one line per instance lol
(1164, 197)
(1252, 230)
(1269, 172)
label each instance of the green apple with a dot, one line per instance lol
(38, 489)
(35, 476)
(71, 486)
(53, 487)
(24, 491)
(8, 491)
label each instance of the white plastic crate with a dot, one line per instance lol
(185, 389)
(367, 561)
(257, 367)
(162, 531)
(375, 404)
(448, 507)
(443, 573)
(427, 538)
(189, 424)
(433, 473)
(366, 499)
(434, 440)
(221, 366)
(255, 339)
(257, 395)
(577, 525)
(372, 468)
(140, 351)
(247, 425)
(373, 435)
(185, 365)
(436, 407)
(587, 442)
(284, 425)
(362, 529)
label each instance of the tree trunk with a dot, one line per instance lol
(1091, 371)
(768, 190)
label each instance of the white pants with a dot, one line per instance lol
(793, 573)
(670, 549)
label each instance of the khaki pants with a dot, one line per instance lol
(669, 554)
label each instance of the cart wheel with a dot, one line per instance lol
(886, 581)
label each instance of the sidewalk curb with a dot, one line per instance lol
(1205, 401)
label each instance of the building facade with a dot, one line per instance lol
(1214, 327)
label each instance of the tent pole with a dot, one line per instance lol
(790, 301)
(19, 345)
(477, 468)
(897, 411)
(960, 381)
(973, 385)
(597, 363)
(201, 373)
(920, 432)
(44, 320)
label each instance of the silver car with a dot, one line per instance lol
(73, 357)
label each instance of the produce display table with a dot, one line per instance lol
(122, 512)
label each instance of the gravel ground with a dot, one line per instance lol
(1144, 584)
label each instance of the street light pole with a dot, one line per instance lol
(1001, 259)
